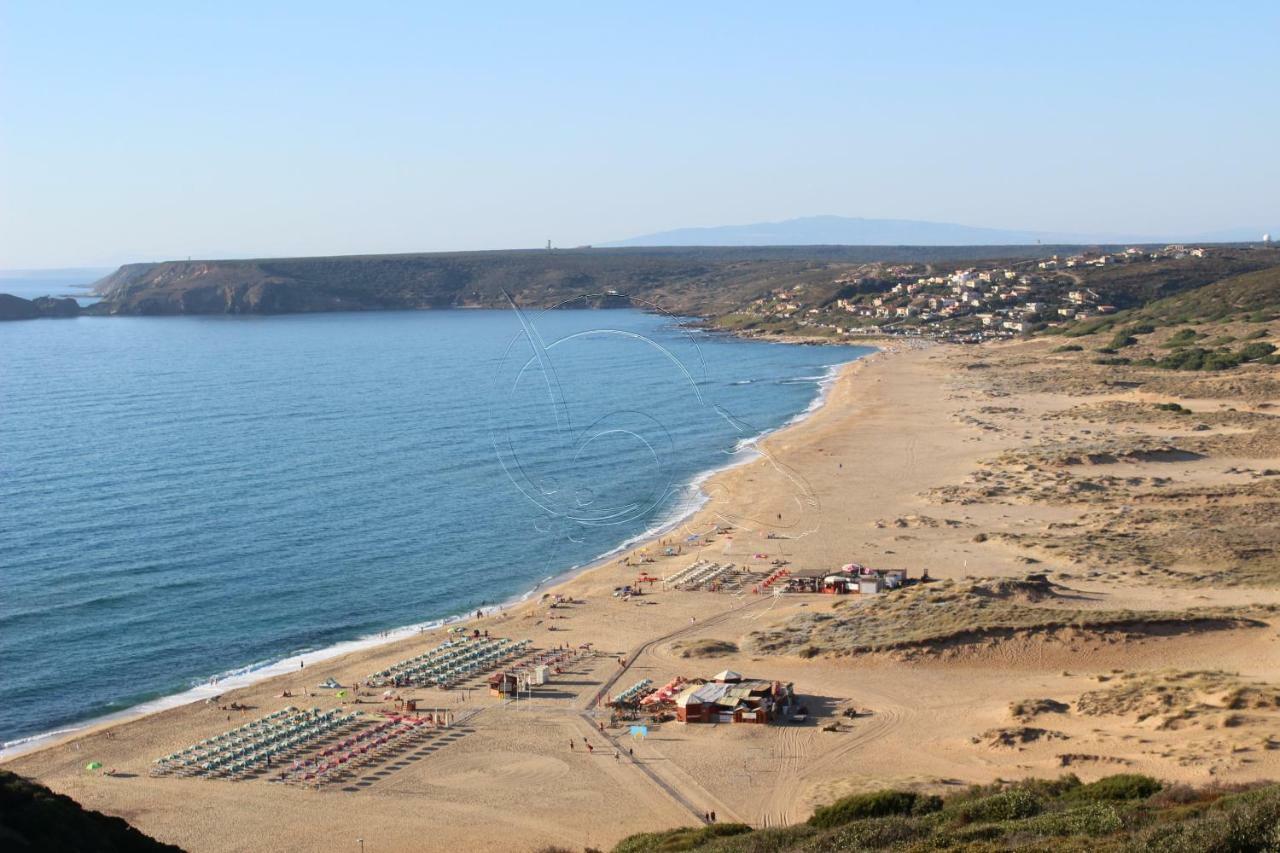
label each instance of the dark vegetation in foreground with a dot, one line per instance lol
(1116, 813)
(34, 818)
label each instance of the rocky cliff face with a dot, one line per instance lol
(381, 283)
(17, 308)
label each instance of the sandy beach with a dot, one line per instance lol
(1073, 626)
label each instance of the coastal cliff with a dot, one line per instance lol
(17, 308)
(692, 280)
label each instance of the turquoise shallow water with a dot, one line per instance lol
(183, 497)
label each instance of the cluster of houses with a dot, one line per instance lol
(967, 304)
(1128, 256)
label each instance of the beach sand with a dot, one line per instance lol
(918, 460)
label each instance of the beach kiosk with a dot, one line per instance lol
(870, 584)
(895, 578)
(503, 684)
(839, 584)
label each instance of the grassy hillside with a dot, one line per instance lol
(1229, 322)
(33, 818)
(1117, 813)
(1135, 285)
(1254, 296)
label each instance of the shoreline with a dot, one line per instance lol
(250, 674)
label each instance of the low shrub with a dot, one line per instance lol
(1242, 822)
(1123, 786)
(1182, 338)
(1013, 804)
(1198, 358)
(877, 833)
(1091, 819)
(686, 838)
(873, 804)
(1255, 351)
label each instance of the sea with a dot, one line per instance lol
(191, 503)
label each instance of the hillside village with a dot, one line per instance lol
(973, 303)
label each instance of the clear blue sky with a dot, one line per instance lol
(143, 131)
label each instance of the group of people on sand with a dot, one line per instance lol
(617, 755)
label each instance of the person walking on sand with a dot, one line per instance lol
(591, 749)
(571, 744)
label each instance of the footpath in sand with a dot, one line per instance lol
(1064, 632)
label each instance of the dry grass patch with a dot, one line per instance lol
(1029, 709)
(1174, 699)
(1017, 737)
(946, 613)
(705, 648)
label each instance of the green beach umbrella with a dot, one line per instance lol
(93, 765)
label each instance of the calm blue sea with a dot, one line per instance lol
(185, 497)
(30, 284)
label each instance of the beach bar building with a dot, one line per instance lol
(870, 584)
(730, 698)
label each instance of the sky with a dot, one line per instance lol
(135, 131)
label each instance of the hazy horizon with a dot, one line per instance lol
(136, 133)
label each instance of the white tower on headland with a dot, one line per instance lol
(1266, 238)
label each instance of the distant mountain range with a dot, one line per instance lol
(856, 231)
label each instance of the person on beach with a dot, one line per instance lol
(590, 748)
(571, 747)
